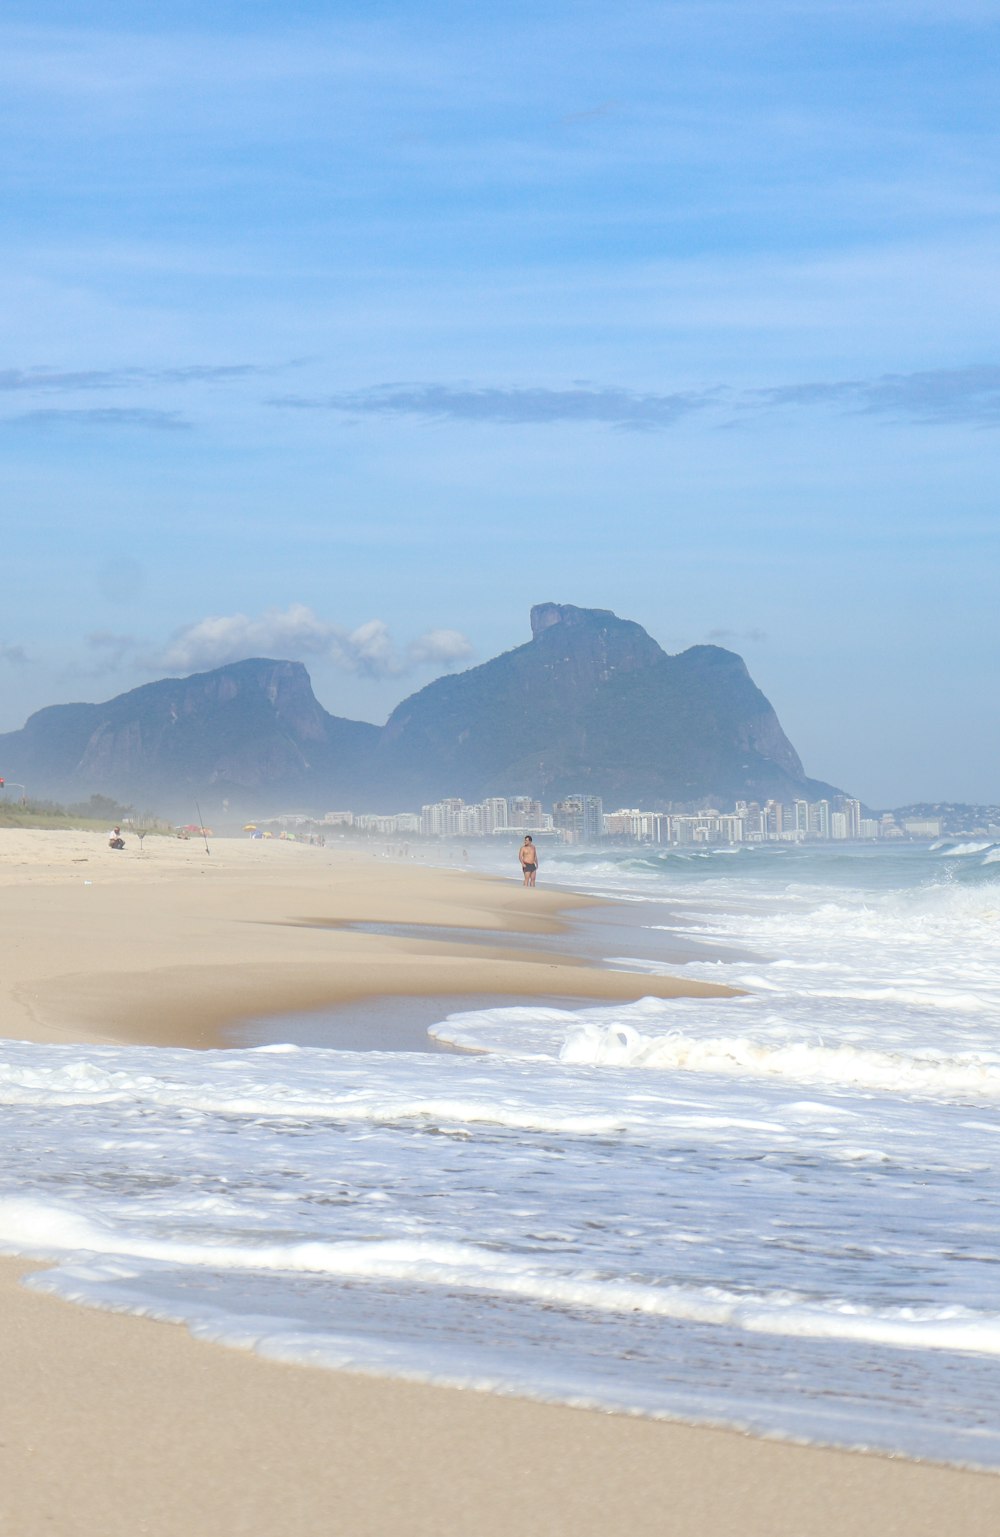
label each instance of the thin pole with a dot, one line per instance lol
(201, 824)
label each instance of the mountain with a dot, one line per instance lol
(252, 733)
(590, 704)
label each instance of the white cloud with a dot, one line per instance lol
(368, 649)
(296, 632)
(443, 646)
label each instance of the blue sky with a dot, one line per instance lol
(347, 333)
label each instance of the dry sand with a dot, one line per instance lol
(112, 1425)
(172, 943)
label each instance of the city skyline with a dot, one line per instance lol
(347, 339)
(582, 819)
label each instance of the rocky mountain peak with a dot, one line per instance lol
(590, 643)
(544, 615)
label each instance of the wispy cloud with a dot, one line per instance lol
(511, 406)
(297, 632)
(105, 653)
(109, 651)
(741, 635)
(590, 114)
(103, 416)
(109, 76)
(21, 380)
(16, 656)
(968, 395)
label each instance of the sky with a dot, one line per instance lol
(346, 333)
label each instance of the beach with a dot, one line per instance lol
(171, 942)
(121, 1424)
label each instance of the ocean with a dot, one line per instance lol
(778, 1211)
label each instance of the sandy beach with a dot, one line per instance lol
(114, 1424)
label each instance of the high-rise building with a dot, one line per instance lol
(580, 818)
(494, 814)
(432, 821)
(852, 811)
(754, 823)
(819, 819)
(622, 824)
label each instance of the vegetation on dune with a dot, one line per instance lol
(100, 812)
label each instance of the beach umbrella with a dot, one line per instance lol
(250, 827)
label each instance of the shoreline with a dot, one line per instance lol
(117, 1423)
(172, 946)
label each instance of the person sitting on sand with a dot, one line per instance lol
(115, 839)
(528, 855)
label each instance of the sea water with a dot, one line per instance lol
(779, 1210)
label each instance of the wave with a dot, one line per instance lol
(684, 1036)
(622, 1045)
(243, 1092)
(51, 1231)
(763, 869)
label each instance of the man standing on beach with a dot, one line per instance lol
(528, 855)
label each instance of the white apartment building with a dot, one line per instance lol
(819, 819)
(852, 811)
(495, 814)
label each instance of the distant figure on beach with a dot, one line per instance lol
(115, 839)
(528, 855)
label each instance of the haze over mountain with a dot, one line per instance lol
(590, 704)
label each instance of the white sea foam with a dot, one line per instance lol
(465, 1267)
(660, 1035)
(799, 1062)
